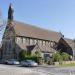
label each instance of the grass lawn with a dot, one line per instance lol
(66, 65)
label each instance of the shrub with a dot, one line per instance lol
(22, 54)
(38, 54)
(65, 56)
(29, 57)
(57, 57)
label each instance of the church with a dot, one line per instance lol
(22, 36)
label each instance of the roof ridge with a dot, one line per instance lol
(31, 25)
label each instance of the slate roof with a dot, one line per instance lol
(23, 29)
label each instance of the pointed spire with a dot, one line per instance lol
(10, 12)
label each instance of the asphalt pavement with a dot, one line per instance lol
(40, 70)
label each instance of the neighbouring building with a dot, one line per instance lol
(21, 36)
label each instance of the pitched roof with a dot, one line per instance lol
(23, 29)
(46, 48)
(42, 48)
(69, 41)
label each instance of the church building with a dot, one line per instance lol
(21, 36)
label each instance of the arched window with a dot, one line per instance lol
(40, 42)
(18, 40)
(44, 43)
(35, 41)
(31, 41)
(24, 40)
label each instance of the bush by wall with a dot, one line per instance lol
(65, 56)
(61, 57)
(57, 57)
(22, 54)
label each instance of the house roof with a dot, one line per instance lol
(23, 29)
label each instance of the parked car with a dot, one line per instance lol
(12, 62)
(29, 63)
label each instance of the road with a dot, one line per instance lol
(41, 70)
(17, 70)
(51, 70)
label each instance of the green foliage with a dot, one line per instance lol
(37, 54)
(67, 65)
(65, 56)
(60, 56)
(29, 57)
(57, 57)
(22, 54)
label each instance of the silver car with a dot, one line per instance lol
(12, 62)
(28, 63)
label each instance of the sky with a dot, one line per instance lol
(56, 15)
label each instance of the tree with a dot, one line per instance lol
(2, 22)
(2, 26)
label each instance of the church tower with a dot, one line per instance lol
(9, 37)
(10, 12)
